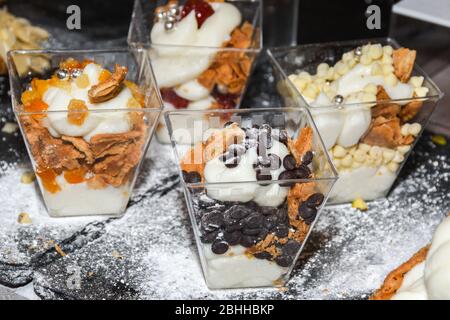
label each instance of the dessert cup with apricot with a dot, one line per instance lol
(87, 122)
(202, 51)
(254, 185)
(370, 102)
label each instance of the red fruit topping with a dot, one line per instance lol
(226, 101)
(169, 95)
(202, 10)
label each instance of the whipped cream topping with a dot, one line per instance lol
(58, 99)
(431, 278)
(175, 65)
(247, 190)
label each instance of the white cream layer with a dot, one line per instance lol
(78, 199)
(177, 65)
(270, 195)
(235, 270)
(366, 182)
(58, 99)
(431, 278)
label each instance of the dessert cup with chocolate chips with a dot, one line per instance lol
(370, 103)
(202, 51)
(254, 184)
(87, 122)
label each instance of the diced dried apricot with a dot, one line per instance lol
(70, 64)
(36, 105)
(28, 96)
(82, 81)
(48, 179)
(75, 176)
(104, 75)
(78, 112)
(40, 86)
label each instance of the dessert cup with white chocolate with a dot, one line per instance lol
(254, 185)
(202, 51)
(370, 104)
(86, 123)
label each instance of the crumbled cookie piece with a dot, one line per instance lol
(403, 61)
(24, 218)
(27, 177)
(394, 280)
(302, 144)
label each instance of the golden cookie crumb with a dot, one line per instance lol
(24, 218)
(27, 177)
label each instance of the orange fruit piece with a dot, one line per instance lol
(48, 179)
(78, 112)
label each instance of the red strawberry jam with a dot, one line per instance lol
(169, 95)
(226, 100)
(202, 10)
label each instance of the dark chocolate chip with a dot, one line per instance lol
(251, 232)
(212, 220)
(307, 212)
(287, 175)
(268, 210)
(315, 200)
(270, 221)
(239, 212)
(219, 246)
(247, 241)
(291, 248)
(301, 173)
(261, 175)
(281, 231)
(233, 238)
(307, 158)
(235, 227)
(263, 255)
(209, 237)
(253, 221)
(283, 261)
(289, 162)
(275, 161)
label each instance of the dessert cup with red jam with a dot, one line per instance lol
(202, 51)
(254, 184)
(87, 122)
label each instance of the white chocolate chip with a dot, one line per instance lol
(414, 129)
(337, 163)
(387, 59)
(365, 59)
(388, 155)
(366, 48)
(371, 88)
(404, 130)
(375, 152)
(421, 91)
(376, 70)
(360, 155)
(393, 167)
(348, 56)
(305, 75)
(300, 83)
(369, 97)
(347, 161)
(388, 50)
(387, 69)
(391, 79)
(341, 68)
(364, 147)
(322, 69)
(339, 151)
(398, 158)
(416, 82)
(376, 51)
(403, 149)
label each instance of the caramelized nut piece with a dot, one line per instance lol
(109, 88)
(24, 218)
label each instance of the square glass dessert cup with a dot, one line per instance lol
(254, 186)
(86, 128)
(199, 63)
(369, 134)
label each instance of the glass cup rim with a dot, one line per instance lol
(11, 64)
(332, 179)
(360, 105)
(256, 23)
